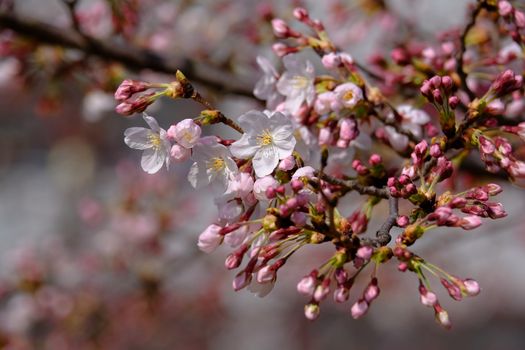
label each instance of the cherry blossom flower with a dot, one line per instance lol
(213, 165)
(297, 82)
(412, 120)
(348, 94)
(154, 142)
(267, 138)
(265, 88)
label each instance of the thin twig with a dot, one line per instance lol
(383, 236)
(132, 57)
(463, 47)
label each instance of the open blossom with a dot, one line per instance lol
(213, 165)
(412, 120)
(348, 94)
(154, 141)
(267, 139)
(297, 82)
(265, 88)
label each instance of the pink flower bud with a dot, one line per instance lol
(428, 298)
(403, 266)
(348, 129)
(331, 60)
(266, 274)
(325, 136)
(470, 222)
(519, 18)
(300, 13)
(241, 280)
(321, 291)
(435, 81)
(365, 252)
(179, 153)
(453, 101)
(311, 311)
(359, 309)
(453, 290)
(210, 238)
(472, 287)
(287, 163)
(493, 189)
(233, 261)
(496, 210)
(341, 294)
(435, 151)
(262, 185)
(299, 218)
(443, 319)
(375, 159)
(372, 291)
(307, 285)
(447, 82)
(129, 87)
(280, 28)
(402, 221)
(281, 49)
(504, 8)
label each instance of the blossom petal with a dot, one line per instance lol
(152, 160)
(137, 138)
(197, 176)
(152, 122)
(245, 147)
(265, 161)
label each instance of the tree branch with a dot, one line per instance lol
(383, 236)
(353, 185)
(463, 47)
(132, 57)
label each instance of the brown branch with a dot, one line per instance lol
(132, 57)
(463, 47)
(353, 185)
(383, 236)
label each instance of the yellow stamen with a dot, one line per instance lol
(155, 140)
(299, 82)
(348, 95)
(216, 164)
(265, 138)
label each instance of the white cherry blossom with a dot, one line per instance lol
(297, 82)
(265, 88)
(267, 138)
(412, 120)
(154, 141)
(213, 165)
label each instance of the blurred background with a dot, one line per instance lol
(96, 254)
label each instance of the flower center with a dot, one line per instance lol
(299, 82)
(155, 141)
(348, 95)
(265, 138)
(216, 164)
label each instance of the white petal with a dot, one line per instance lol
(197, 176)
(266, 66)
(285, 147)
(152, 122)
(253, 121)
(152, 160)
(245, 147)
(137, 138)
(265, 161)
